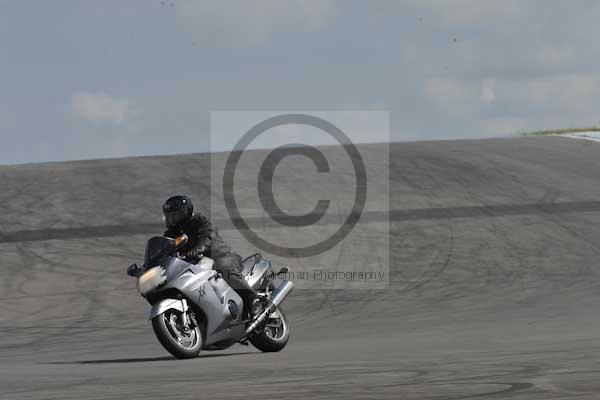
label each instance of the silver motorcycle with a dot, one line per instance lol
(194, 309)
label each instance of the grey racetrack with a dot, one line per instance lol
(494, 283)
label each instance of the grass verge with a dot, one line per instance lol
(560, 131)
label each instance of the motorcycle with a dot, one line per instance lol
(194, 309)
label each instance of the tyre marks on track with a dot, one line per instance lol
(425, 214)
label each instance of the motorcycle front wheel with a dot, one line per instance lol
(275, 334)
(178, 340)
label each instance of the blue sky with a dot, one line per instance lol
(90, 79)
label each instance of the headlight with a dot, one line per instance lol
(150, 280)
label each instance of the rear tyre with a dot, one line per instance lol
(275, 334)
(175, 338)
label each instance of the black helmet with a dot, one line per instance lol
(177, 210)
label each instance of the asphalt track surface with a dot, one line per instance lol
(494, 291)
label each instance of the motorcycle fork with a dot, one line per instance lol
(185, 317)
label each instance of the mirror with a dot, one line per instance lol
(133, 270)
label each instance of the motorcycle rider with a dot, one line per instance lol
(204, 239)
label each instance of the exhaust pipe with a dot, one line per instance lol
(281, 292)
(277, 297)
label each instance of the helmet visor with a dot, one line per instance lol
(176, 218)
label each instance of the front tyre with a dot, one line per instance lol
(176, 339)
(275, 334)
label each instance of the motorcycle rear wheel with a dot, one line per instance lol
(180, 342)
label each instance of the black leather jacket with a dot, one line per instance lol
(203, 237)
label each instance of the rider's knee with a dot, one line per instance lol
(229, 261)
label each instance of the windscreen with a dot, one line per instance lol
(156, 248)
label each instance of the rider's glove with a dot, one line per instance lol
(192, 255)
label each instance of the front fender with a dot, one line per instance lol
(163, 305)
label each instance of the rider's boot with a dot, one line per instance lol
(256, 308)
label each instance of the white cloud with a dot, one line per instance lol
(460, 12)
(568, 93)
(488, 91)
(253, 23)
(378, 106)
(446, 89)
(450, 95)
(503, 126)
(552, 56)
(100, 107)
